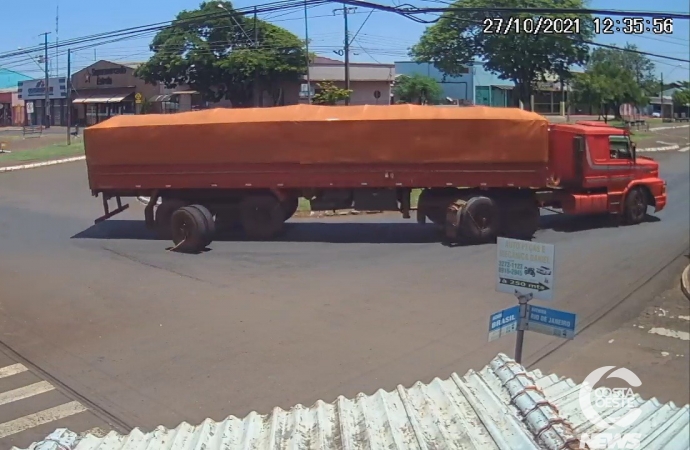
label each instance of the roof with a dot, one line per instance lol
(501, 407)
(589, 127)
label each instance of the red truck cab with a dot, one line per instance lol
(598, 166)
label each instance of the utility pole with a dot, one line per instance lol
(257, 90)
(346, 48)
(46, 104)
(68, 114)
(661, 95)
(306, 40)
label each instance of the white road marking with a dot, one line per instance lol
(684, 317)
(659, 149)
(682, 335)
(42, 417)
(665, 143)
(684, 149)
(25, 392)
(669, 128)
(14, 369)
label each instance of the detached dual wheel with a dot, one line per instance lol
(192, 228)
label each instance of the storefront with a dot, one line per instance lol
(107, 89)
(33, 93)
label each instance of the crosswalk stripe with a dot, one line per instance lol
(25, 392)
(42, 417)
(12, 370)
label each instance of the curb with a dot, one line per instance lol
(685, 282)
(669, 128)
(41, 164)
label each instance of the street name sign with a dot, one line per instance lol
(550, 321)
(503, 322)
(525, 268)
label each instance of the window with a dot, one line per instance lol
(619, 147)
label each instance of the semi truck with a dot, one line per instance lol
(480, 172)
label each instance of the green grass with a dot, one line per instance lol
(55, 151)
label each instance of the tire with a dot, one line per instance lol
(480, 221)
(163, 216)
(290, 206)
(636, 204)
(228, 218)
(189, 230)
(428, 204)
(262, 216)
(210, 223)
(522, 222)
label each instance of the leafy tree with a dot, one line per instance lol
(212, 50)
(613, 77)
(641, 67)
(330, 94)
(461, 37)
(682, 96)
(418, 89)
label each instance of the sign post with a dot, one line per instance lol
(526, 270)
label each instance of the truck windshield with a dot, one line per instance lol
(619, 147)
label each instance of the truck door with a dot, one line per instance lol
(578, 157)
(621, 163)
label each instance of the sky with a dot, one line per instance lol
(380, 36)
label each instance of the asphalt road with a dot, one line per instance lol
(143, 337)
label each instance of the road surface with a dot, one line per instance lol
(142, 336)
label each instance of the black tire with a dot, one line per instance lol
(480, 220)
(290, 206)
(636, 204)
(163, 216)
(521, 222)
(210, 223)
(428, 204)
(262, 216)
(228, 218)
(189, 230)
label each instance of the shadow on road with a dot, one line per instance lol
(570, 224)
(343, 233)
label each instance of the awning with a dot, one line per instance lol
(102, 99)
(160, 98)
(186, 92)
(503, 87)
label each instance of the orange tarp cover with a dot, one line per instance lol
(310, 134)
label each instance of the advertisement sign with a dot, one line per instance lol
(526, 268)
(36, 89)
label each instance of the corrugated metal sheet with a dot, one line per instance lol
(500, 407)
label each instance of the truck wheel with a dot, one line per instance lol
(479, 219)
(262, 216)
(189, 230)
(521, 223)
(635, 206)
(290, 206)
(209, 222)
(163, 216)
(427, 204)
(228, 218)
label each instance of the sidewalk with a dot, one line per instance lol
(655, 346)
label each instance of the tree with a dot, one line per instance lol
(681, 97)
(613, 77)
(418, 89)
(212, 50)
(461, 37)
(330, 94)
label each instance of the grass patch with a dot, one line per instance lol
(55, 151)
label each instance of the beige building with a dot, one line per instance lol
(106, 89)
(370, 83)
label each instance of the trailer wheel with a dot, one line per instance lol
(262, 216)
(428, 205)
(635, 206)
(209, 223)
(479, 219)
(290, 206)
(163, 216)
(189, 230)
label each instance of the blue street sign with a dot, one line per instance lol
(550, 321)
(503, 322)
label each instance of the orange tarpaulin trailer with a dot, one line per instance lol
(307, 134)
